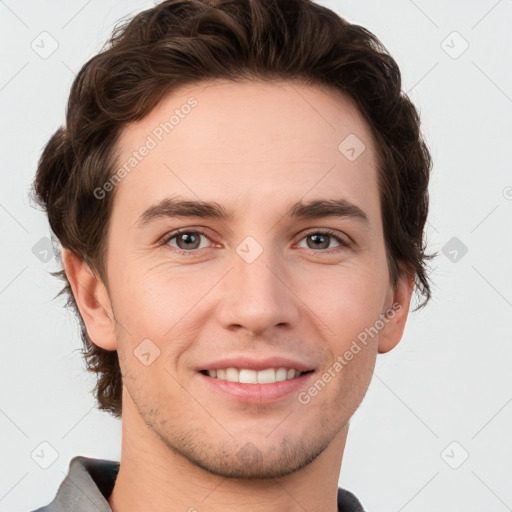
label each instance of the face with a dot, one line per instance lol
(230, 314)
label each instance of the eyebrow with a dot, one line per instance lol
(317, 209)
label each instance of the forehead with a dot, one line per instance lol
(248, 143)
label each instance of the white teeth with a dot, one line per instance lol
(267, 376)
(232, 375)
(281, 374)
(247, 376)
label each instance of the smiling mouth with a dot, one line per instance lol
(248, 376)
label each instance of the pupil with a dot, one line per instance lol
(317, 236)
(187, 238)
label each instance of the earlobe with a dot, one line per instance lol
(92, 299)
(396, 314)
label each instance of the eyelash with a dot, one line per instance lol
(167, 238)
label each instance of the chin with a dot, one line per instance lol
(249, 461)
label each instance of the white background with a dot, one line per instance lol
(450, 377)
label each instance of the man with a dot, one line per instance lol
(240, 192)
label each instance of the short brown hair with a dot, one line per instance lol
(177, 43)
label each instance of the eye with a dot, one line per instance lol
(187, 241)
(320, 239)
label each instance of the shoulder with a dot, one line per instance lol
(93, 477)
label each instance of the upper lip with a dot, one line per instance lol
(256, 364)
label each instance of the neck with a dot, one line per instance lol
(150, 473)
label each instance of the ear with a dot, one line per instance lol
(91, 297)
(396, 311)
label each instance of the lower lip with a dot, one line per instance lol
(257, 393)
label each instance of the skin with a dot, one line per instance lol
(254, 148)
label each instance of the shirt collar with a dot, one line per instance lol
(87, 486)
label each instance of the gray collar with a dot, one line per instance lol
(87, 486)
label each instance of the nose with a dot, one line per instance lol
(258, 296)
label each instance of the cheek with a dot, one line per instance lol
(160, 304)
(345, 300)
(146, 307)
(356, 375)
